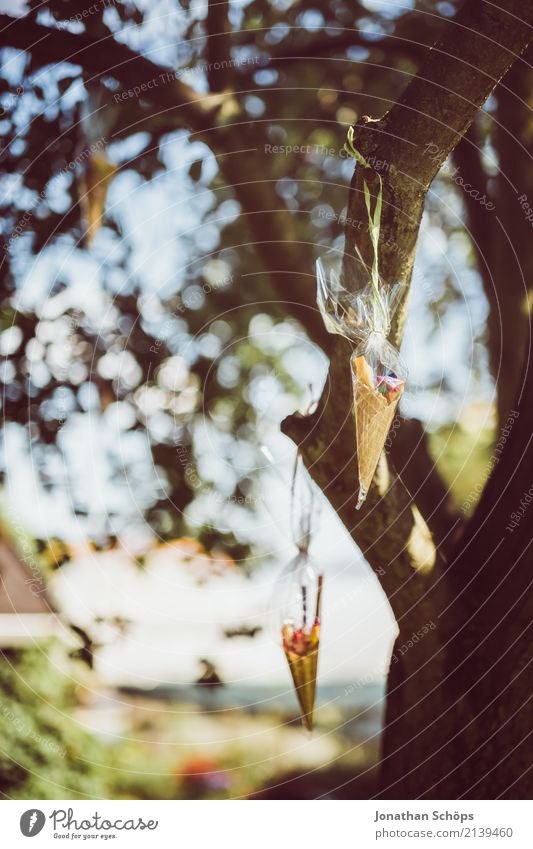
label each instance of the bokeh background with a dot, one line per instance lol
(150, 348)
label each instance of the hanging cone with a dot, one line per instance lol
(301, 645)
(374, 414)
(301, 651)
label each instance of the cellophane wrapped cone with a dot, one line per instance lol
(300, 630)
(298, 599)
(298, 596)
(362, 312)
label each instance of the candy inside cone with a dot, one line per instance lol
(301, 650)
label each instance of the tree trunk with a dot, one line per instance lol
(454, 717)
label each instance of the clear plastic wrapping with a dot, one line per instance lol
(356, 304)
(298, 596)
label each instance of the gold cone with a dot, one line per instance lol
(373, 419)
(301, 650)
(303, 671)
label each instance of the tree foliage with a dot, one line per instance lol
(211, 140)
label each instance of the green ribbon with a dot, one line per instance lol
(374, 225)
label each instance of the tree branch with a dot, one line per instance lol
(219, 73)
(389, 531)
(210, 117)
(414, 34)
(108, 58)
(323, 48)
(475, 51)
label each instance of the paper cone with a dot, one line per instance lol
(373, 418)
(303, 665)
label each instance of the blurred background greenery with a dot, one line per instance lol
(148, 355)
